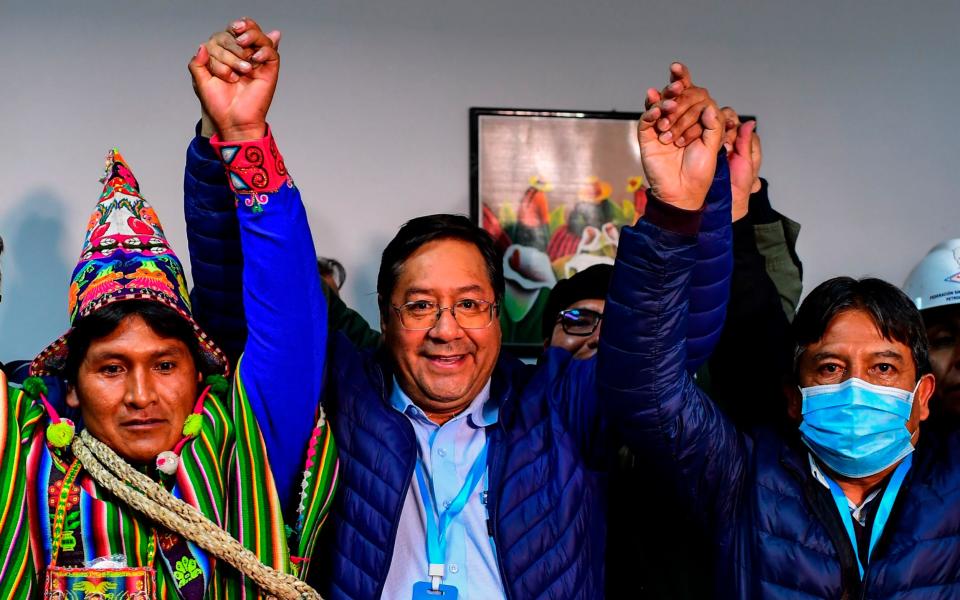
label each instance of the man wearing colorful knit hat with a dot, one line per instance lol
(163, 488)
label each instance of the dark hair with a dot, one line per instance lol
(419, 231)
(892, 311)
(163, 320)
(332, 267)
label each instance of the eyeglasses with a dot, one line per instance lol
(579, 321)
(421, 315)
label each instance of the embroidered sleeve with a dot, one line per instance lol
(253, 166)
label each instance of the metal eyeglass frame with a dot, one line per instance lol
(491, 307)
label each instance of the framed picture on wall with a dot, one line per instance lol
(553, 188)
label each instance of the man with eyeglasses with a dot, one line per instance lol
(575, 311)
(462, 470)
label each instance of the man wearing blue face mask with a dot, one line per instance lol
(851, 503)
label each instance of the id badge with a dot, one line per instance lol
(134, 583)
(422, 590)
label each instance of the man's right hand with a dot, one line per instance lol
(680, 176)
(237, 104)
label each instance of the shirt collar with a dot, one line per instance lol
(482, 411)
(855, 510)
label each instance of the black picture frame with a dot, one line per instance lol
(509, 147)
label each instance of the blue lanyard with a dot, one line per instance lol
(883, 511)
(437, 532)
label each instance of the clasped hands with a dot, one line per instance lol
(235, 75)
(680, 134)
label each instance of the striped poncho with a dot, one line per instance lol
(223, 472)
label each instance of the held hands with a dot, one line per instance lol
(235, 75)
(680, 134)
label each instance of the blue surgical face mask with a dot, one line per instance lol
(856, 428)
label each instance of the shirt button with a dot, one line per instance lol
(446, 504)
(442, 452)
(454, 569)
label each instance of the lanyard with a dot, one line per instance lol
(883, 511)
(437, 531)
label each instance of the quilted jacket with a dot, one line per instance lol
(546, 498)
(776, 531)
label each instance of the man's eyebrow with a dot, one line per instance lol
(888, 354)
(470, 288)
(428, 292)
(417, 292)
(171, 350)
(825, 355)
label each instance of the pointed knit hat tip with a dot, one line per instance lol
(116, 172)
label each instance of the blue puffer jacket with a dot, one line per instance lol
(546, 502)
(777, 532)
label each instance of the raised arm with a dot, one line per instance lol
(282, 366)
(642, 375)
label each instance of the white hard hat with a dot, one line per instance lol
(935, 281)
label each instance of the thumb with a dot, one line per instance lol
(744, 139)
(198, 66)
(645, 127)
(275, 36)
(713, 128)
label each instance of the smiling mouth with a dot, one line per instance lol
(449, 360)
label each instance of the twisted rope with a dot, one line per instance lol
(154, 501)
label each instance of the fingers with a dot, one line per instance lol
(198, 67)
(265, 55)
(653, 97)
(646, 132)
(731, 124)
(222, 71)
(275, 36)
(680, 73)
(687, 127)
(675, 106)
(228, 58)
(233, 52)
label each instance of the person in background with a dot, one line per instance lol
(333, 273)
(575, 310)
(934, 286)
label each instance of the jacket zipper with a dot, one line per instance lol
(411, 437)
(493, 499)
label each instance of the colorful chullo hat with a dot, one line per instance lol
(125, 256)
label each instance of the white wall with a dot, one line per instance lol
(856, 102)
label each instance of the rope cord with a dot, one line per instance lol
(154, 501)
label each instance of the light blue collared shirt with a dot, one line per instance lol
(448, 452)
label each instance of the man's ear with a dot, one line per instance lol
(794, 402)
(921, 398)
(73, 401)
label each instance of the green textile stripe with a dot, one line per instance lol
(321, 486)
(258, 522)
(224, 473)
(18, 417)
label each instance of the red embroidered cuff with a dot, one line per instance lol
(253, 166)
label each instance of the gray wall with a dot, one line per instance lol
(856, 104)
